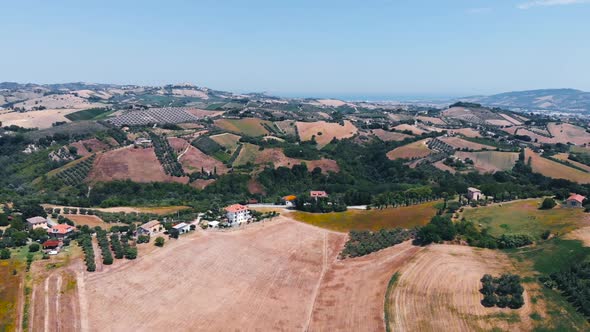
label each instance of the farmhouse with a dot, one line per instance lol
(575, 201)
(213, 224)
(51, 244)
(289, 200)
(61, 231)
(150, 228)
(37, 222)
(182, 228)
(318, 194)
(474, 194)
(237, 213)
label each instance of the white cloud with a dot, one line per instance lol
(547, 3)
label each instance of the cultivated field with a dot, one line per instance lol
(554, 169)
(430, 119)
(36, 119)
(565, 157)
(352, 291)
(247, 154)
(139, 165)
(511, 119)
(439, 291)
(162, 210)
(280, 265)
(415, 130)
(193, 160)
(387, 136)
(418, 149)
(496, 122)
(459, 143)
(288, 127)
(90, 221)
(467, 132)
(227, 140)
(566, 132)
(10, 300)
(248, 126)
(57, 101)
(490, 161)
(278, 158)
(325, 131)
(88, 146)
(374, 220)
(524, 217)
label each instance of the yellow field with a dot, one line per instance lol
(554, 169)
(227, 140)
(417, 149)
(248, 126)
(247, 154)
(373, 220)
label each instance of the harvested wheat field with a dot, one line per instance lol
(431, 119)
(36, 119)
(490, 161)
(200, 113)
(568, 133)
(324, 131)
(554, 169)
(352, 292)
(139, 165)
(414, 129)
(511, 119)
(277, 157)
(267, 276)
(439, 291)
(89, 220)
(246, 126)
(388, 136)
(467, 132)
(459, 143)
(564, 156)
(499, 123)
(193, 160)
(418, 149)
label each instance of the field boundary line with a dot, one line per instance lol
(318, 285)
(390, 286)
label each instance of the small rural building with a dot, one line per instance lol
(237, 214)
(51, 244)
(150, 228)
(474, 194)
(61, 231)
(289, 200)
(182, 228)
(37, 222)
(575, 201)
(213, 224)
(318, 194)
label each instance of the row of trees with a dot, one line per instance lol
(319, 204)
(85, 241)
(117, 246)
(76, 174)
(103, 242)
(404, 198)
(505, 291)
(574, 283)
(362, 243)
(166, 155)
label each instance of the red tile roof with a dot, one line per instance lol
(236, 208)
(577, 198)
(318, 194)
(61, 229)
(50, 243)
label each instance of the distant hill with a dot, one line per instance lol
(549, 99)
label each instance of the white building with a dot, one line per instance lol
(150, 228)
(182, 228)
(474, 194)
(37, 222)
(237, 214)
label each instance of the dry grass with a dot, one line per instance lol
(388, 136)
(88, 146)
(278, 158)
(568, 133)
(373, 220)
(324, 132)
(36, 119)
(90, 221)
(554, 169)
(415, 130)
(459, 143)
(10, 287)
(227, 140)
(467, 132)
(247, 154)
(430, 119)
(418, 149)
(565, 157)
(194, 160)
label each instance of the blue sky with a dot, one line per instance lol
(455, 47)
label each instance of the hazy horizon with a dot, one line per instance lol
(455, 48)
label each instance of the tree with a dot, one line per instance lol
(34, 247)
(159, 241)
(131, 253)
(548, 204)
(5, 254)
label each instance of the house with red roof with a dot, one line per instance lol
(575, 201)
(51, 244)
(237, 214)
(318, 194)
(61, 231)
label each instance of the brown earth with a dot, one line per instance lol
(388, 136)
(278, 158)
(139, 165)
(414, 129)
(324, 131)
(88, 220)
(193, 160)
(554, 169)
(459, 143)
(88, 146)
(568, 133)
(418, 149)
(439, 291)
(467, 132)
